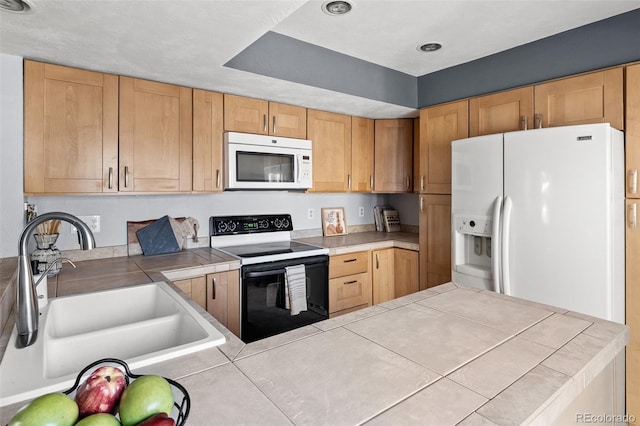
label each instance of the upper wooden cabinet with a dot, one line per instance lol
(501, 112)
(330, 134)
(70, 130)
(362, 155)
(207, 141)
(632, 139)
(393, 155)
(439, 126)
(416, 155)
(155, 136)
(596, 97)
(249, 115)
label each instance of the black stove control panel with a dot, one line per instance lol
(233, 225)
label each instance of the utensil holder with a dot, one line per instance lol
(46, 255)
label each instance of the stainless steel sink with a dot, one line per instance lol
(142, 325)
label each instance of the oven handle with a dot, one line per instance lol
(264, 273)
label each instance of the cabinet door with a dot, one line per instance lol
(416, 155)
(195, 288)
(590, 98)
(70, 130)
(207, 141)
(501, 112)
(217, 299)
(287, 121)
(632, 299)
(435, 240)
(405, 265)
(331, 137)
(393, 155)
(349, 292)
(383, 275)
(362, 153)
(246, 115)
(632, 139)
(439, 126)
(155, 136)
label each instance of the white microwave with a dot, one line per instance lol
(266, 162)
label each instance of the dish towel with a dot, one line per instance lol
(295, 284)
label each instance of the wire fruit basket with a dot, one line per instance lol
(181, 403)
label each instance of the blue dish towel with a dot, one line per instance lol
(295, 281)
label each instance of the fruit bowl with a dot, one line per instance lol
(181, 404)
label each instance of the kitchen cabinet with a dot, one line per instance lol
(70, 130)
(330, 134)
(435, 240)
(439, 126)
(416, 155)
(393, 155)
(632, 134)
(249, 115)
(207, 141)
(349, 283)
(394, 273)
(195, 288)
(596, 97)
(223, 298)
(501, 112)
(155, 151)
(362, 155)
(632, 310)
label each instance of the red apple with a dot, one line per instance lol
(160, 419)
(101, 391)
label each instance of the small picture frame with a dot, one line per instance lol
(333, 221)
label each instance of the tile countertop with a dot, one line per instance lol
(339, 244)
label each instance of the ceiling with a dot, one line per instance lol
(189, 42)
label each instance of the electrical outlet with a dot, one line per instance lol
(361, 212)
(310, 214)
(93, 222)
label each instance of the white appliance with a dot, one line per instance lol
(539, 215)
(266, 162)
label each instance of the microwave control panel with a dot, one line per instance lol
(305, 170)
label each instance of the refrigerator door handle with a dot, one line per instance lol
(504, 244)
(496, 246)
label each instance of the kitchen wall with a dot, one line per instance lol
(115, 211)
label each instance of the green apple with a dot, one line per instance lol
(99, 419)
(144, 397)
(52, 409)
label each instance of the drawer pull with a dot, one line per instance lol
(213, 288)
(350, 282)
(110, 177)
(349, 260)
(377, 260)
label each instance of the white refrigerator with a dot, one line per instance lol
(539, 215)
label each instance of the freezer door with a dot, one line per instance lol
(477, 170)
(564, 237)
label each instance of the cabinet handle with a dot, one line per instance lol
(539, 121)
(421, 183)
(634, 216)
(377, 260)
(371, 181)
(349, 260)
(407, 182)
(110, 177)
(421, 204)
(525, 124)
(350, 282)
(126, 176)
(633, 178)
(274, 124)
(264, 123)
(349, 181)
(213, 288)
(217, 178)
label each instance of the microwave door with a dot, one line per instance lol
(256, 167)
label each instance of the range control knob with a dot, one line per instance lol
(278, 223)
(232, 226)
(263, 224)
(285, 223)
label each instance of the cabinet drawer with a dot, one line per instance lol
(348, 264)
(348, 292)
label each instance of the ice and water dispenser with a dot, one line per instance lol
(472, 250)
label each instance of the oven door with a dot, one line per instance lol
(263, 310)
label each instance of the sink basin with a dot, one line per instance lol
(141, 325)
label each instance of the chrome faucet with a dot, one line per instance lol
(26, 296)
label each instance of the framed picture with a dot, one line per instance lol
(333, 221)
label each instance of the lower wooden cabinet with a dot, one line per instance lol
(223, 299)
(633, 308)
(435, 240)
(195, 288)
(349, 283)
(394, 273)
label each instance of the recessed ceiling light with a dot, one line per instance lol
(337, 7)
(430, 47)
(17, 6)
